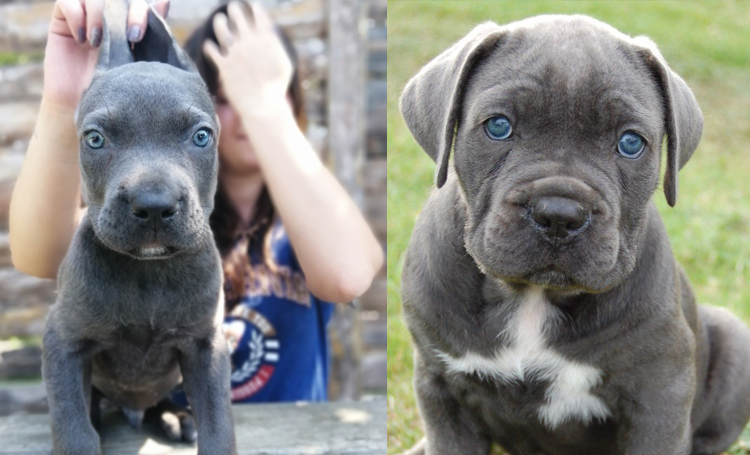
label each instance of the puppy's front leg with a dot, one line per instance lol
(66, 371)
(659, 417)
(206, 368)
(450, 429)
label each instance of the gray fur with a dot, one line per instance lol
(675, 377)
(131, 323)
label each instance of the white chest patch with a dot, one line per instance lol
(568, 395)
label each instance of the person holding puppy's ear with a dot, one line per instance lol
(290, 237)
(45, 209)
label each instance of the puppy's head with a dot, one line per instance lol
(556, 125)
(148, 145)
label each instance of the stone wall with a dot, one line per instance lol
(24, 300)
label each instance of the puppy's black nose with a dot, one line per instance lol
(559, 217)
(151, 206)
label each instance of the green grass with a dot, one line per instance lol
(706, 42)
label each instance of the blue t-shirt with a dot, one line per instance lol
(277, 331)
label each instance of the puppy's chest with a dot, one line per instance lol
(527, 374)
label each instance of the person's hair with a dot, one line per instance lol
(225, 222)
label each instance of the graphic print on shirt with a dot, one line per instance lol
(251, 337)
(266, 280)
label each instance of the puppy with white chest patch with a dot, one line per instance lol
(547, 311)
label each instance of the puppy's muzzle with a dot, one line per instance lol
(559, 217)
(154, 207)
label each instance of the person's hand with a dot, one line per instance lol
(73, 40)
(254, 69)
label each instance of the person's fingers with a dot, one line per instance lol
(94, 19)
(162, 7)
(137, 20)
(72, 13)
(239, 18)
(263, 21)
(221, 30)
(212, 51)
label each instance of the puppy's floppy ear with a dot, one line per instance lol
(431, 101)
(157, 44)
(115, 49)
(683, 117)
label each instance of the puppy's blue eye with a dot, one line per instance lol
(202, 137)
(631, 145)
(498, 128)
(94, 139)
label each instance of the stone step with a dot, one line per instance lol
(261, 429)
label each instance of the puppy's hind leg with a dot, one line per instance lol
(725, 407)
(96, 408)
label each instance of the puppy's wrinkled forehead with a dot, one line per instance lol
(146, 95)
(577, 70)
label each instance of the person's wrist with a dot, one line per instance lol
(263, 106)
(55, 124)
(59, 106)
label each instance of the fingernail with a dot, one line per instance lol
(166, 10)
(134, 33)
(96, 36)
(81, 35)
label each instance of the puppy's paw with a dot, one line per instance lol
(178, 425)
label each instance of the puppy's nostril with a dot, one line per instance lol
(167, 214)
(142, 214)
(541, 220)
(575, 224)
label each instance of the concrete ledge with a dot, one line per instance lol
(281, 429)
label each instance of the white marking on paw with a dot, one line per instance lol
(568, 395)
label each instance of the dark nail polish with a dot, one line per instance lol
(96, 36)
(81, 35)
(134, 33)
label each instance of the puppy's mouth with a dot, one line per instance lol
(152, 252)
(551, 277)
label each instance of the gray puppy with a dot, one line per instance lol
(546, 308)
(140, 302)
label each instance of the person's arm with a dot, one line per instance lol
(45, 206)
(337, 251)
(44, 209)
